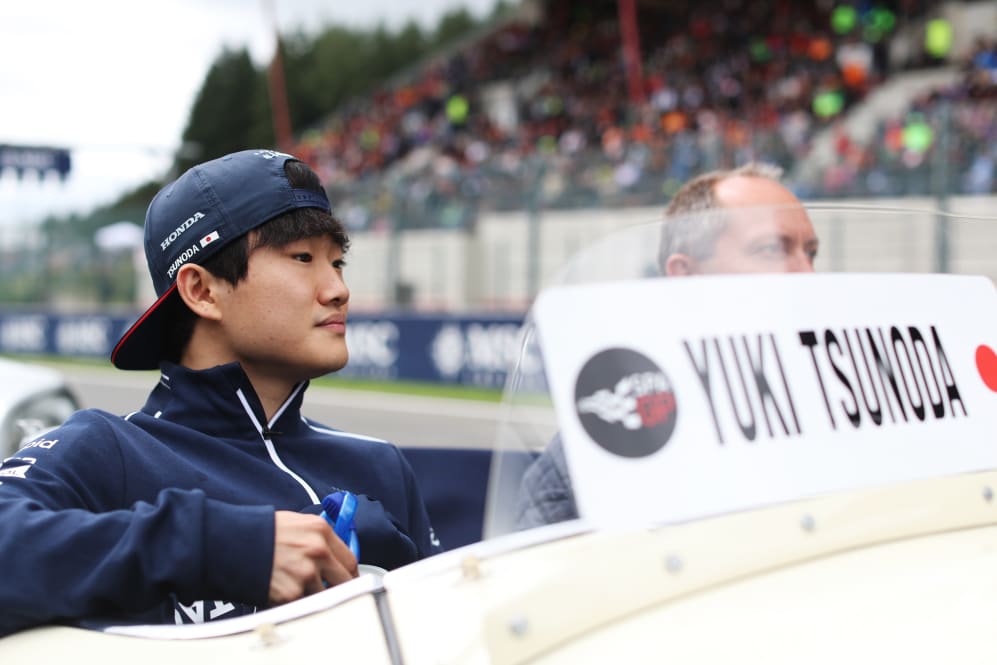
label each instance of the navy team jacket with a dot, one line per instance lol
(167, 515)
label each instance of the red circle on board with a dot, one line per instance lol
(986, 365)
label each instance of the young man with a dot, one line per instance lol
(205, 503)
(738, 221)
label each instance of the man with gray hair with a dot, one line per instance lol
(741, 220)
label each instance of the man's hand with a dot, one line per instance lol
(306, 553)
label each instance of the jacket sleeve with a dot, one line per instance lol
(394, 529)
(71, 546)
(420, 528)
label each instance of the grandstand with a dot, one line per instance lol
(542, 100)
(445, 173)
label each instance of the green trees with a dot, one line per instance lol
(230, 112)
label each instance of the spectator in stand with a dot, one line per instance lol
(981, 68)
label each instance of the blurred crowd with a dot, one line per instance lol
(540, 114)
(945, 142)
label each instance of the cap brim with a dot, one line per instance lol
(141, 347)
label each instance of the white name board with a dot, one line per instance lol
(684, 397)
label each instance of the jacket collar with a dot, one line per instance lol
(219, 401)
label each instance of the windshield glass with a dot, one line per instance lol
(779, 342)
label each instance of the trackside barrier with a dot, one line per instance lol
(465, 350)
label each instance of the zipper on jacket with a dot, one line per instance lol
(266, 433)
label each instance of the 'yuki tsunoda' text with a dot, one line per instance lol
(872, 376)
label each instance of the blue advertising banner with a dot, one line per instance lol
(35, 158)
(475, 350)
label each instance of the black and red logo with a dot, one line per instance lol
(625, 403)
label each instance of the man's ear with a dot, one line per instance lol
(199, 290)
(680, 265)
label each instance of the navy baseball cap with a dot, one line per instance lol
(195, 216)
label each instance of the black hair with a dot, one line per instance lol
(231, 263)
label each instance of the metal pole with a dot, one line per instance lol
(533, 229)
(940, 171)
(280, 113)
(394, 232)
(630, 37)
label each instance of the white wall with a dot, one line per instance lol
(489, 269)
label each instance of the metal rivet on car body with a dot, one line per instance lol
(470, 567)
(808, 524)
(519, 626)
(673, 564)
(268, 635)
(988, 494)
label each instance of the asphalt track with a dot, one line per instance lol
(406, 420)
